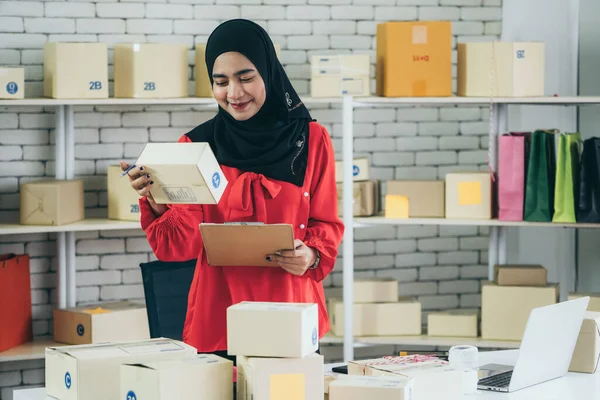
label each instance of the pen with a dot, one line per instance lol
(127, 170)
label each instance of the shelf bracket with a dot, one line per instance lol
(348, 218)
(60, 174)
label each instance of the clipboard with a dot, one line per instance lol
(245, 243)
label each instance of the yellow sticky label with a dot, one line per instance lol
(469, 193)
(97, 310)
(287, 387)
(396, 206)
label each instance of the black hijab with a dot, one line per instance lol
(273, 142)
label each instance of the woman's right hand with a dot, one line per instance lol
(142, 182)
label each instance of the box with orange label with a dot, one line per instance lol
(469, 195)
(103, 322)
(414, 59)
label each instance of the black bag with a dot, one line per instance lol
(588, 207)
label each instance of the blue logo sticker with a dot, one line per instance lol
(520, 53)
(68, 380)
(216, 180)
(131, 395)
(355, 170)
(80, 330)
(314, 336)
(12, 87)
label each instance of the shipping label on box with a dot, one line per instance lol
(183, 173)
(12, 83)
(151, 70)
(264, 329)
(51, 202)
(453, 323)
(365, 198)
(586, 356)
(280, 378)
(204, 376)
(371, 387)
(76, 70)
(92, 372)
(425, 199)
(521, 275)
(594, 304)
(123, 200)
(360, 170)
(104, 322)
(469, 195)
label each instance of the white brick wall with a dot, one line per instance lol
(443, 266)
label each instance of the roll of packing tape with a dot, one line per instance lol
(466, 359)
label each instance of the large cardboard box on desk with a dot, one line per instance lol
(425, 199)
(505, 309)
(76, 70)
(51, 202)
(586, 356)
(264, 329)
(104, 322)
(123, 201)
(204, 376)
(594, 304)
(365, 197)
(500, 69)
(469, 195)
(151, 70)
(15, 301)
(520, 275)
(453, 323)
(371, 387)
(92, 372)
(12, 83)
(414, 59)
(183, 173)
(261, 378)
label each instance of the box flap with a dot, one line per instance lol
(105, 308)
(172, 153)
(268, 306)
(108, 350)
(372, 381)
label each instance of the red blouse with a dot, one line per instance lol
(313, 211)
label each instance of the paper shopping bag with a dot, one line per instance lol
(15, 301)
(567, 178)
(588, 207)
(513, 155)
(541, 175)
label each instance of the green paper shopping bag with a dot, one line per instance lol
(541, 175)
(567, 177)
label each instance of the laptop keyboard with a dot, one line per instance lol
(501, 380)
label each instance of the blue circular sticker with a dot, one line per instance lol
(68, 380)
(314, 336)
(355, 170)
(80, 330)
(131, 395)
(216, 180)
(12, 87)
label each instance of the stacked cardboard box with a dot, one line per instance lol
(339, 75)
(453, 323)
(366, 191)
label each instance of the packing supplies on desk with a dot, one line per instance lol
(566, 189)
(92, 372)
(260, 378)
(365, 197)
(402, 317)
(360, 170)
(123, 201)
(425, 199)
(203, 376)
(505, 309)
(15, 301)
(103, 322)
(586, 356)
(520, 275)
(151, 70)
(432, 378)
(51, 202)
(454, 323)
(500, 69)
(541, 177)
(76, 70)
(513, 156)
(337, 75)
(183, 173)
(414, 59)
(264, 329)
(594, 304)
(12, 83)
(371, 387)
(469, 195)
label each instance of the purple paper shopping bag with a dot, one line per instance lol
(512, 163)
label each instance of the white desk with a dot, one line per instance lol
(570, 387)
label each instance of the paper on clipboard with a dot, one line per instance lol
(229, 245)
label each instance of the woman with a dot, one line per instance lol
(281, 169)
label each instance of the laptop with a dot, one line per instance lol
(546, 349)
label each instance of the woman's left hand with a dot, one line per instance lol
(295, 261)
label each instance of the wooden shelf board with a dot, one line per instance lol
(88, 224)
(34, 350)
(367, 221)
(425, 340)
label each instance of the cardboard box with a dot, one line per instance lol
(383, 290)
(337, 86)
(520, 275)
(586, 356)
(123, 200)
(204, 376)
(501, 69)
(151, 70)
(414, 59)
(12, 83)
(453, 323)
(594, 304)
(469, 195)
(183, 173)
(425, 199)
(76, 70)
(51, 202)
(105, 322)
(432, 378)
(360, 170)
(365, 198)
(345, 65)
(379, 319)
(280, 378)
(262, 329)
(92, 372)
(505, 309)
(371, 387)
